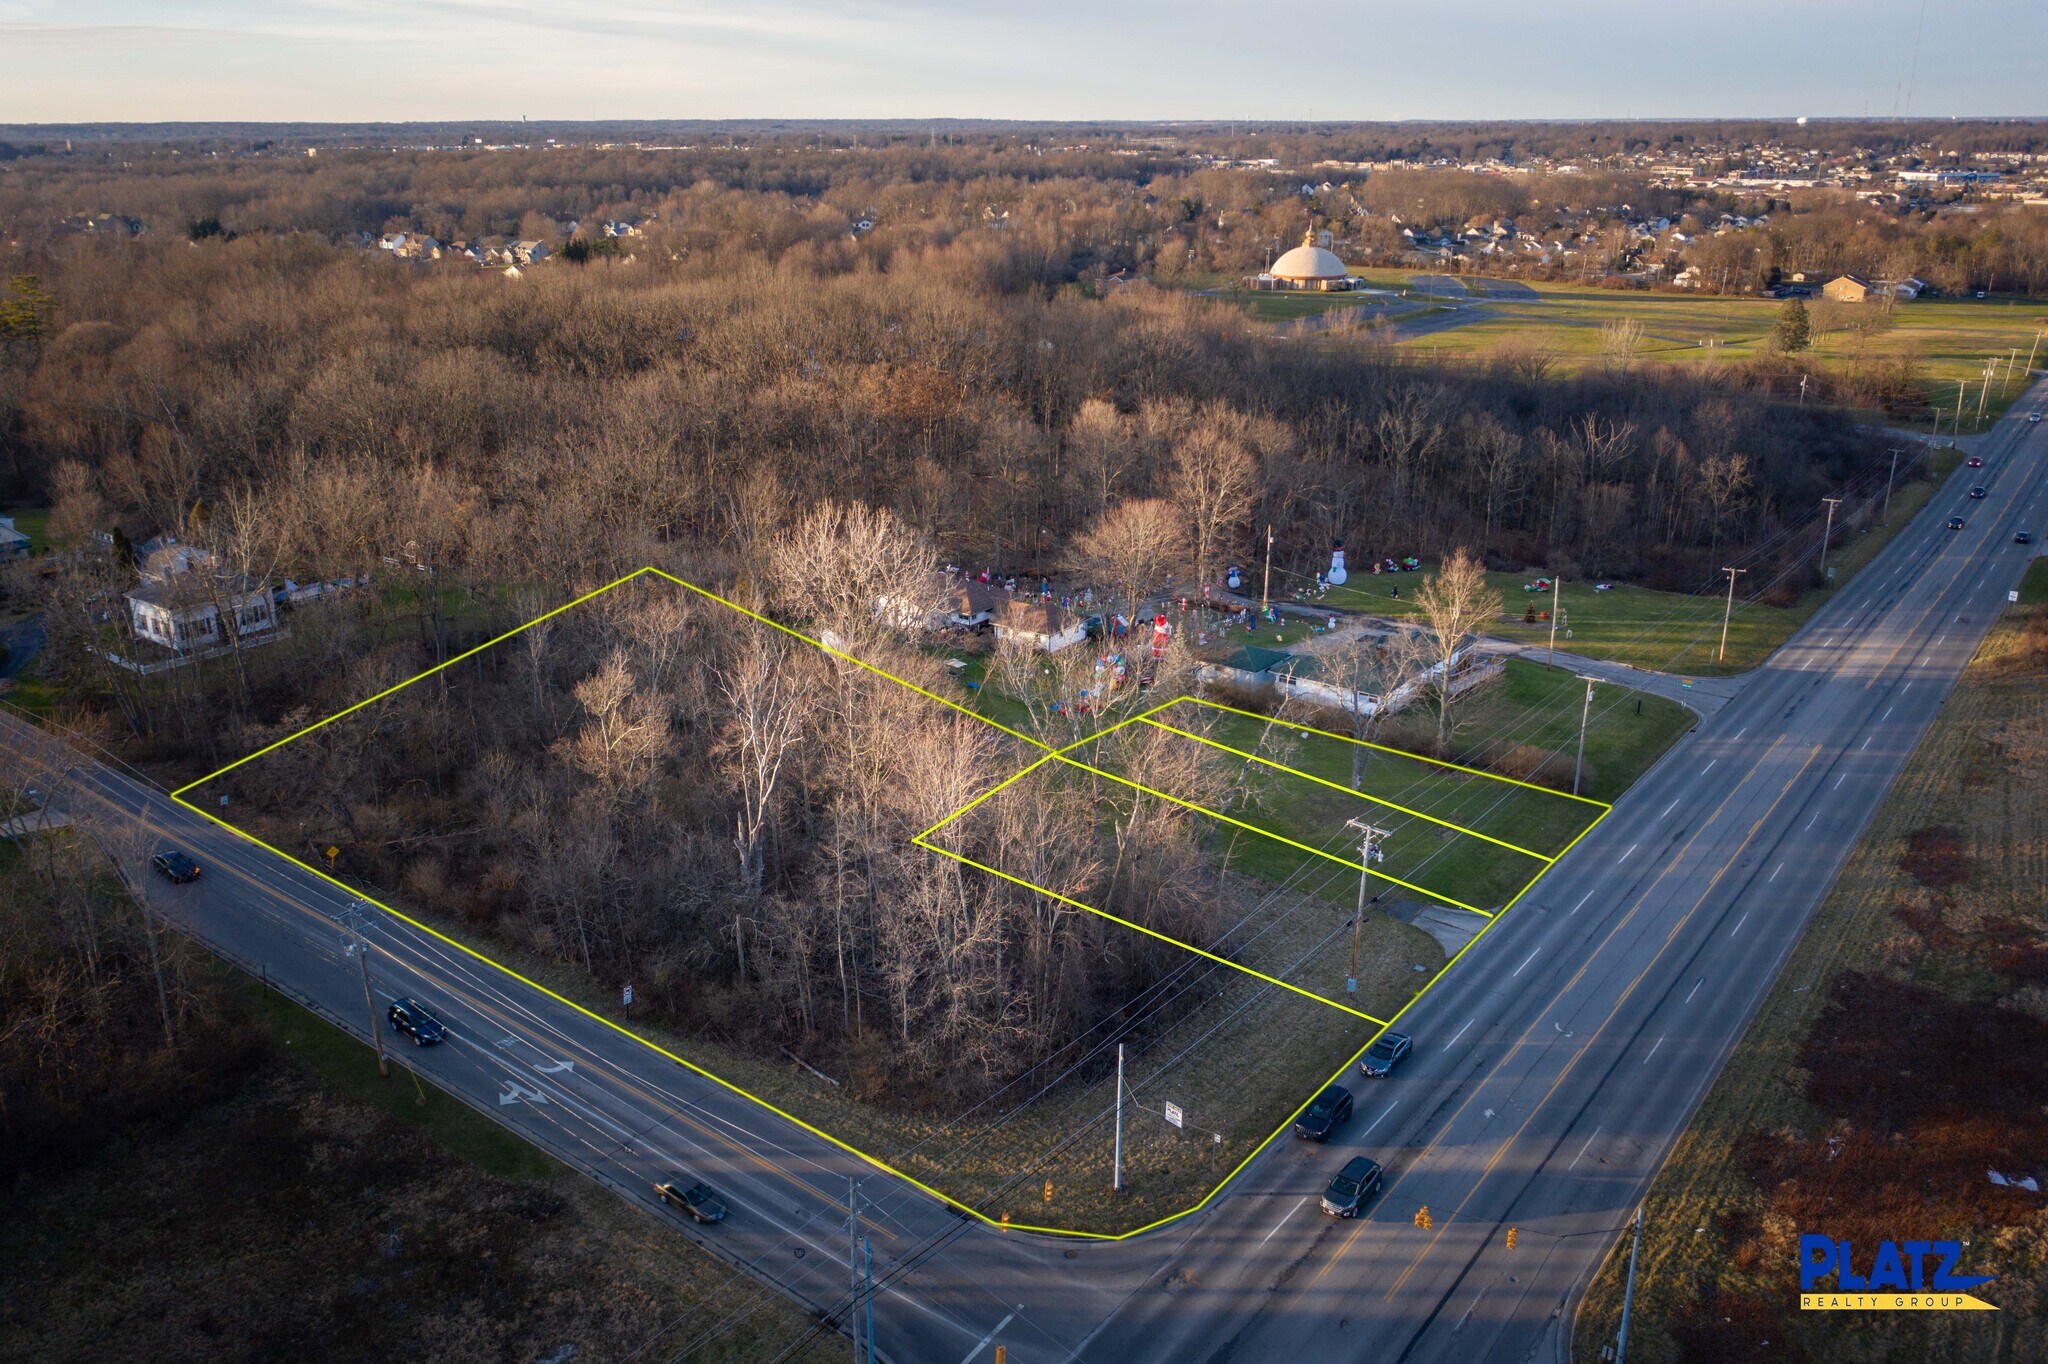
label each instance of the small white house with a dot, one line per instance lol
(183, 595)
(1042, 625)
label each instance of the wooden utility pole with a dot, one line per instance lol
(1888, 485)
(1266, 586)
(1827, 533)
(1556, 595)
(1368, 835)
(1727, 611)
(1585, 715)
(1117, 1177)
(362, 951)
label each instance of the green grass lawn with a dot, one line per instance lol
(1672, 632)
(34, 522)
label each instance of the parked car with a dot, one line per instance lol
(176, 866)
(411, 1018)
(1330, 1111)
(2033, 416)
(1977, 492)
(1382, 1056)
(2023, 537)
(691, 1196)
(1357, 1181)
(1955, 523)
(1975, 461)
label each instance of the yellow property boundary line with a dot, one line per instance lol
(920, 840)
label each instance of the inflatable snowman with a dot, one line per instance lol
(1337, 573)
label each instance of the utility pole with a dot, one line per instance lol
(1117, 1178)
(1827, 532)
(1368, 834)
(1556, 594)
(2032, 350)
(1888, 485)
(853, 1264)
(867, 1261)
(1585, 714)
(362, 955)
(1727, 611)
(1628, 1296)
(2012, 360)
(1266, 586)
(1984, 393)
(1961, 385)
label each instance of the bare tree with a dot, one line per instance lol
(769, 707)
(1215, 480)
(1456, 604)
(1129, 547)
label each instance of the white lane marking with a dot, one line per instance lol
(516, 1093)
(1460, 1032)
(982, 1344)
(1581, 904)
(1624, 857)
(1839, 780)
(1937, 641)
(1903, 690)
(1739, 923)
(1888, 712)
(1815, 815)
(1277, 1225)
(1696, 988)
(1525, 961)
(1653, 1050)
(1711, 761)
(1866, 742)
(1738, 734)
(1774, 872)
(1380, 1119)
(1673, 805)
(556, 1069)
(1582, 1151)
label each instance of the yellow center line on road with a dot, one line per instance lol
(1620, 1000)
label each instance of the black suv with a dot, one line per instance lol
(411, 1018)
(176, 866)
(694, 1198)
(1356, 1182)
(1330, 1111)
(1383, 1055)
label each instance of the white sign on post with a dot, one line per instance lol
(2012, 597)
(1173, 1114)
(629, 994)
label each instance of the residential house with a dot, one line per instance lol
(184, 593)
(1688, 278)
(13, 542)
(1846, 289)
(529, 253)
(1040, 625)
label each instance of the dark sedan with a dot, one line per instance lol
(1356, 1182)
(410, 1017)
(1330, 1111)
(1977, 492)
(1382, 1056)
(175, 866)
(692, 1196)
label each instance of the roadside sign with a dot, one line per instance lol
(2012, 597)
(629, 994)
(1173, 1114)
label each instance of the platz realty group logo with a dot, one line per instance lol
(1903, 1276)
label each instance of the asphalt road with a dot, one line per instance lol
(1554, 1066)
(1558, 1062)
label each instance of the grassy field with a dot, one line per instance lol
(1951, 338)
(1935, 935)
(1671, 632)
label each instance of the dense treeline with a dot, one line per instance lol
(642, 790)
(754, 358)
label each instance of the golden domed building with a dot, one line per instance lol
(1307, 266)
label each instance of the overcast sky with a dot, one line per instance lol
(106, 60)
